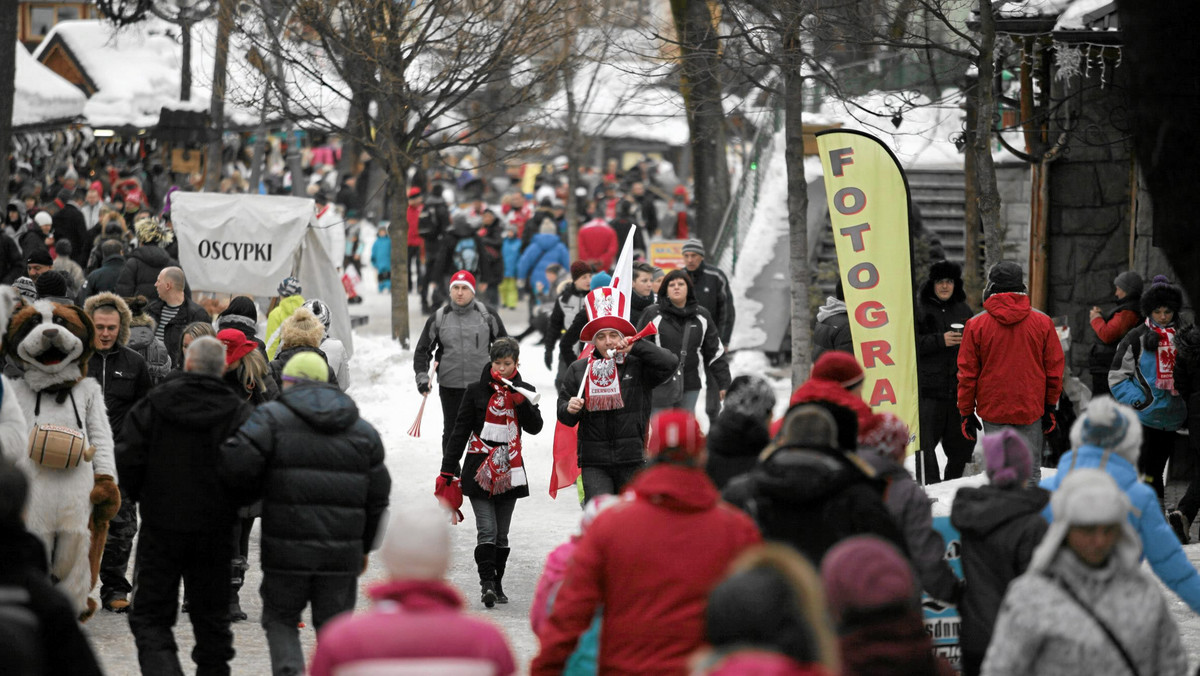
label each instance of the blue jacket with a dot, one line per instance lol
(543, 250)
(381, 254)
(1132, 378)
(510, 249)
(1160, 546)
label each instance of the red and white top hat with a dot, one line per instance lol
(607, 308)
(463, 277)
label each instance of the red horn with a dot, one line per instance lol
(646, 332)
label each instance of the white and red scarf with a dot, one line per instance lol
(500, 438)
(604, 384)
(1164, 367)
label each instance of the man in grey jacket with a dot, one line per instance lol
(457, 337)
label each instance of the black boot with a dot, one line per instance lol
(501, 560)
(485, 559)
(240, 566)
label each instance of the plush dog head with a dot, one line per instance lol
(52, 341)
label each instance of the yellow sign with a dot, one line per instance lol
(868, 208)
(666, 255)
(529, 178)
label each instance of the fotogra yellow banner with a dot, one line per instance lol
(868, 208)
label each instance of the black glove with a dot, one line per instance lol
(970, 426)
(1049, 421)
(549, 359)
(423, 388)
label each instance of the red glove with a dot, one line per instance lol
(1049, 420)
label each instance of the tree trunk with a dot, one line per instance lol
(212, 181)
(398, 232)
(185, 72)
(706, 117)
(793, 101)
(573, 160)
(8, 73)
(971, 277)
(985, 169)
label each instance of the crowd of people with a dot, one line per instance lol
(797, 544)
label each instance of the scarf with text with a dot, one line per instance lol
(1164, 366)
(500, 438)
(604, 384)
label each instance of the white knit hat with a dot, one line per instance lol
(1110, 426)
(417, 543)
(1088, 497)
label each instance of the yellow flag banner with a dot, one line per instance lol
(868, 208)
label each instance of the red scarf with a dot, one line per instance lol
(1164, 357)
(604, 384)
(500, 438)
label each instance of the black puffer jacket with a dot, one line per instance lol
(142, 266)
(937, 363)
(617, 437)
(276, 365)
(471, 416)
(832, 331)
(734, 442)
(1187, 377)
(704, 339)
(318, 468)
(813, 499)
(190, 415)
(999, 530)
(125, 379)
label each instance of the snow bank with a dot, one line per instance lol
(41, 95)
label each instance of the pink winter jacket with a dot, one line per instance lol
(549, 583)
(414, 627)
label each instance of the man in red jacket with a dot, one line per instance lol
(1010, 365)
(598, 244)
(650, 563)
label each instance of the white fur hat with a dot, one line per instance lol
(1088, 497)
(1110, 426)
(417, 543)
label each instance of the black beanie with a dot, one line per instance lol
(51, 284)
(1005, 277)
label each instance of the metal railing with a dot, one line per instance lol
(735, 224)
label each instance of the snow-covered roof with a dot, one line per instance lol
(137, 70)
(1031, 9)
(1072, 18)
(41, 95)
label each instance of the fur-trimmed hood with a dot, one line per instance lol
(106, 299)
(302, 329)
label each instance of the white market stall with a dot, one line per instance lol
(247, 245)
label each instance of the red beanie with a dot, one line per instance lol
(580, 268)
(840, 367)
(675, 434)
(463, 277)
(866, 572)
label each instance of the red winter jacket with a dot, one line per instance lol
(1112, 331)
(414, 225)
(1010, 364)
(415, 627)
(651, 563)
(598, 244)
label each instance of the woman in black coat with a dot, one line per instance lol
(488, 428)
(676, 313)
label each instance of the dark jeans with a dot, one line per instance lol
(1189, 504)
(607, 479)
(712, 397)
(284, 597)
(451, 399)
(941, 422)
(1156, 451)
(493, 516)
(202, 562)
(121, 531)
(416, 273)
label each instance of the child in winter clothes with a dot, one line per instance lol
(875, 604)
(417, 624)
(1143, 376)
(882, 446)
(510, 249)
(1107, 436)
(1000, 526)
(1084, 606)
(381, 259)
(488, 428)
(583, 661)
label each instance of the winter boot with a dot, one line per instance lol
(501, 560)
(240, 566)
(1179, 524)
(485, 559)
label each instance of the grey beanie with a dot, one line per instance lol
(693, 246)
(1130, 282)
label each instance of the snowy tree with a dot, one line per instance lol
(407, 80)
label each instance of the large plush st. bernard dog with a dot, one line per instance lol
(69, 506)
